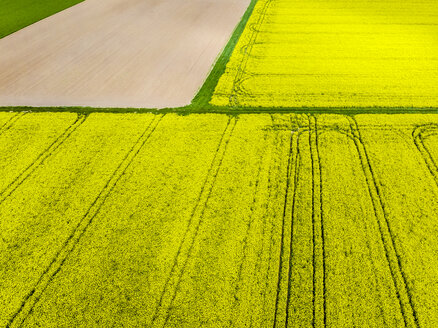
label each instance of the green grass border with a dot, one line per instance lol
(201, 102)
(231, 111)
(23, 23)
(205, 93)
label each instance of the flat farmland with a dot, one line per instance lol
(16, 14)
(334, 54)
(259, 220)
(295, 185)
(114, 53)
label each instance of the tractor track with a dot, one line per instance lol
(418, 135)
(292, 169)
(173, 280)
(252, 217)
(232, 100)
(272, 231)
(42, 157)
(319, 272)
(56, 264)
(9, 123)
(294, 198)
(404, 294)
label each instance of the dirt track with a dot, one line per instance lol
(117, 53)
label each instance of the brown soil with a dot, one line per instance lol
(117, 53)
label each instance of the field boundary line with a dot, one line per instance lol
(11, 121)
(201, 107)
(401, 286)
(171, 287)
(30, 300)
(205, 93)
(41, 158)
(419, 141)
(319, 274)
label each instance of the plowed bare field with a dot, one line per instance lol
(117, 53)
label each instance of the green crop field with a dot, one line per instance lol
(299, 189)
(16, 14)
(264, 219)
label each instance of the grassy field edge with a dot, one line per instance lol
(21, 22)
(203, 97)
(209, 109)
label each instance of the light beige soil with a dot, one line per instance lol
(117, 53)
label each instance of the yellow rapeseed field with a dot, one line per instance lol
(334, 54)
(284, 218)
(268, 220)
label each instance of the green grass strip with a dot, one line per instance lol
(204, 94)
(205, 109)
(17, 14)
(201, 102)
